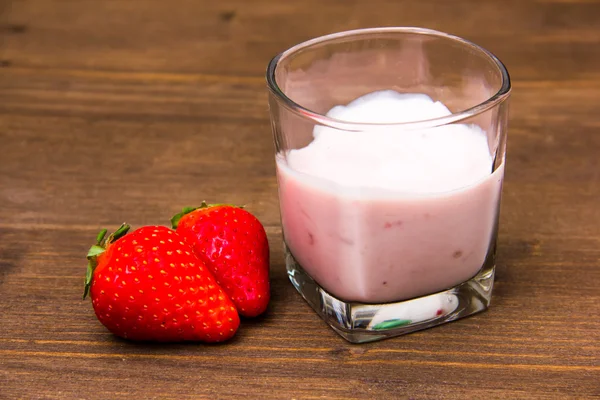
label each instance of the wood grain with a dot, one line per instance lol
(114, 110)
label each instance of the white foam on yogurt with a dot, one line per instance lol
(422, 161)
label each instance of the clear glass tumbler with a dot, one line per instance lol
(389, 218)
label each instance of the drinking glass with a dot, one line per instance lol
(378, 263)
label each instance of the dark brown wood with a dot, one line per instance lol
(127, 110)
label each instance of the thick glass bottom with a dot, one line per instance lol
(361, 323)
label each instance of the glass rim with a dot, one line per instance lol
(500, 96)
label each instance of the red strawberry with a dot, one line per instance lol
(149, 285)
(234, 246)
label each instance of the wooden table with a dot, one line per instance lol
(128, 110)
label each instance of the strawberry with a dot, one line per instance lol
(149, 285)
(233, 245)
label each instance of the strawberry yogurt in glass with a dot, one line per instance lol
(384, 216)
(390, 151)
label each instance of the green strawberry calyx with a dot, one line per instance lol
(101, 242)
(186, 210)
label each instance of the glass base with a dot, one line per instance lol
(361, 323)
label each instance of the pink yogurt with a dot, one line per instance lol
(380, 216)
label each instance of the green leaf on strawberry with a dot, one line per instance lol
(98, 249)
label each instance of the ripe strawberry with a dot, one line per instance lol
(233, 245)
(149, 285)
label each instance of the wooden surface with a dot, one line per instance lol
(129, 109)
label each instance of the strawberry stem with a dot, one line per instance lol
(98, 249)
